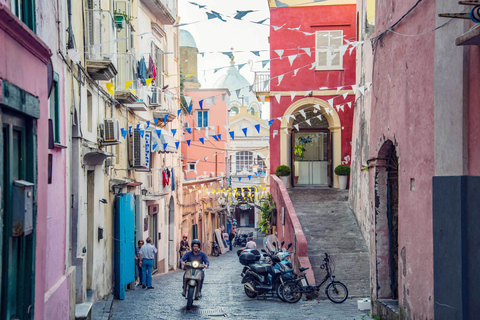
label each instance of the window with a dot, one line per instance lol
(234, 111)
(175, 46)
(192, 166)
(328, 56)
(202, 119)
(55, 108)
(89, 111)
(25, 11)
(159, 65)
(261, 164)
(244, 161)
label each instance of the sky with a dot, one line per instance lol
(218, 36)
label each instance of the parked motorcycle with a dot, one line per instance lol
(191, 281)
(241, 239)
(215, 249)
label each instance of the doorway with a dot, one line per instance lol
(18, 248)
(153, 235)
(386, 222)
(171, 233)
(90, 224)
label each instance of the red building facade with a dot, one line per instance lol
(312, 62)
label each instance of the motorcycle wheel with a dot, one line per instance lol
(248, 292)
(279, 291)
(288, 292)
(191, 291)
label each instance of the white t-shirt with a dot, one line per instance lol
(251, 245)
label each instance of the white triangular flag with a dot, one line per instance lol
(247, 100)
(329, 110)
(227, 100)
(279, 52)
(308, 122)
(295, 72)
(188, 100)
(351, 49)
(338, 89)
(291, 59)
(198, 128)
(333, 57)
(276, 28)
(350, 104)
(368, 85)
(302, 112)
(362, 90)
(280, 78)
(278, 96)
(316, 106)
(213, 100)
(343, 49)
(226, 126)
(292, 95)
(313, 66)
(296, 127)
(319, 117)
(354, 88)
(307, 51)
(292, 116)
(286, 130)
(330, 102)
(345, 95)
(308, 93)
(342, 107)
(209, 102)
(262, 98)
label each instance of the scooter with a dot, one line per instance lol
(191, 281)
(215, 249)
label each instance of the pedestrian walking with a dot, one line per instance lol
(231, 236)
(147, 254)
(137, 261)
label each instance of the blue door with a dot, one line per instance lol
(124, 263)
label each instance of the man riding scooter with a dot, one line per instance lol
(198, 256)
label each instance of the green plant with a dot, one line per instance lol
(266, 208)
(299, 151)
(370, 316)
(128, 19)
(342, 170)
(183, 101)
(283, 171)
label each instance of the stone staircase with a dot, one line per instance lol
(330, 226)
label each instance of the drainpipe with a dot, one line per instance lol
(71, 39)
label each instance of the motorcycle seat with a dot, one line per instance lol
(303, 269)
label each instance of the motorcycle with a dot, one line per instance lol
(215, 249)
(241, 239)
(191, 281)
(265, 278)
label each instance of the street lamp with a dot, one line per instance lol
(117, 189)
(144, 192)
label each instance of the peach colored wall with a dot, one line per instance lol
(218, 117)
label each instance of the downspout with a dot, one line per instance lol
(71, 38)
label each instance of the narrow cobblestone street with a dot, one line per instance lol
(223, 297)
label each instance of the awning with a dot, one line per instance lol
(95, 157)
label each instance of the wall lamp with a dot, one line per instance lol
(144, 192)
(117, 189)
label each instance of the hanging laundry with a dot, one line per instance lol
(142, 71)
(168, 177)
(152, 72)
(164, 179)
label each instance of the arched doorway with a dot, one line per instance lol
(386, 222)
(171, 234)
(318, 108)
(311, 150)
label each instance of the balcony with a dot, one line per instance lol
(262, 82)
(100, 63)
(161, 113)
(164, 10)
(470, 38)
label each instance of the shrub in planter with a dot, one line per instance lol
(283, 171)
(342, 170)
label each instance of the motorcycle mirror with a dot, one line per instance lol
(263, 250)
(283, 242)
(289, 245)
(274, 244)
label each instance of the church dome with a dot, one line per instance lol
(186, 39)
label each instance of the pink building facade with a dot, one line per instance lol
(415, 159)
(209, 158)
(34, 169)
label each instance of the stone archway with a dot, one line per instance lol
(333, 125)
(386, 222)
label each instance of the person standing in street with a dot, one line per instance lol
(137, 261)
(147, 254)
(184, 246)
(231, 236)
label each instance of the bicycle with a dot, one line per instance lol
(336, 291)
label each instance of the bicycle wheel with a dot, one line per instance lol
(337, 292)
(290, 291)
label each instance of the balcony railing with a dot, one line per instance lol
(262, 81)
(164, 10)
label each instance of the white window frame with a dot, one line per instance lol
(200, 125)
(194, 166)
(244, 159)
(326, 49)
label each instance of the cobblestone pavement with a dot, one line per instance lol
(223, 297)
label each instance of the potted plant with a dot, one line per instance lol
(283, 172)
(342, 171)
(121, 18)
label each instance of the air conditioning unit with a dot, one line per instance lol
(136, 152)
(111, 133)
(157, 97)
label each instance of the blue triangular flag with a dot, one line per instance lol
(264, 63)
(201, 104)
(215, 137)
(219, 136)
(154, 146)
(257, 53)
(256, 173)
(138, 126)
(239, 178)
(130, 130)
(177, 144)
(257, 126)
(142, 132)
(159, 132)
(190, 108)
(188, 142)
(156, 121)
(232, 134)
(148, 124)
(124, 133)
(270, 122)
(201, 140)
(174, 131)
(189, 130)
(165, 119)
(250, 177)
(178, 112)
(245, 131)
(165, 146)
